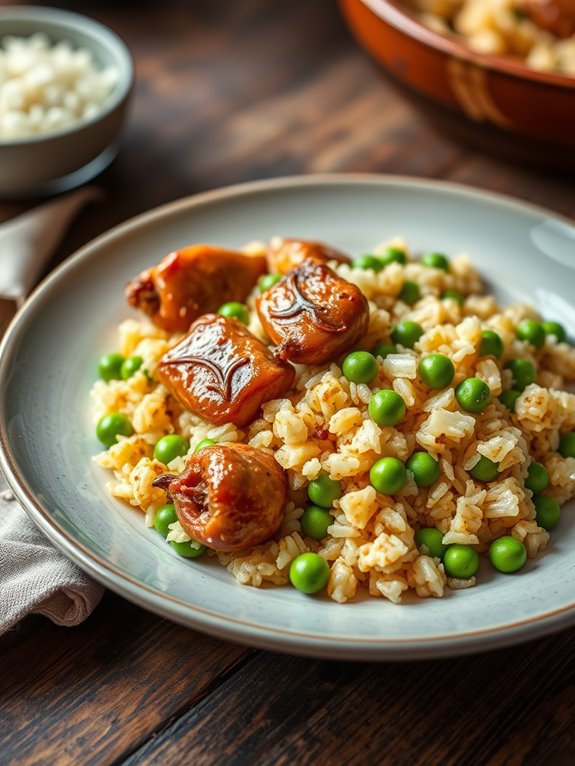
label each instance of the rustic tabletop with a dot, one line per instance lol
(228, 92)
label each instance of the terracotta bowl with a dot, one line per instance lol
(530, 113)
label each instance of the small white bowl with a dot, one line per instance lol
(52, 163)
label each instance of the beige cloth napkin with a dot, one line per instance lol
(28, 241)
(34, 576)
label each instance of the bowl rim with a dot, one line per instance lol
(400, 17)
(94, 29)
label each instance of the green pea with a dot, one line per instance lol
(368, 262)
(382, 349)
(491, 344)
(360, 367)
(509, 398)
(309, 573)
(453, 295)
(268, 280)
(111, 426)
(531, 331)
(324, 491)
(567, 445)
(130, 366)
(388, 475)
(424, 468)
(461, 561)
(170, 447)
(163, 517)
(407, 333)
(430, 542)
(410, 292)
(485, 469)
(473, 395)
(386, 407)
(315, 522)
(392, 255)
(235, 310)
(435, 261)
(436, 370)
(204, 443)
(522, 372)
(537, 479)
(110, 366)
(507, 554)
(556, 329)
(189, 550)
(547, 512)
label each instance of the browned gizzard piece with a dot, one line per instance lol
(222, 372)
(313, 315)
(287, 254)
(555, 16)
(229, 497)
(193, 281)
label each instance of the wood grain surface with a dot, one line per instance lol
(228, 92)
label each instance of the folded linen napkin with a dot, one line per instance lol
(27, 241)
(34, 576)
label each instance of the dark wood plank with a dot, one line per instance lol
(506, 707)
(7, 311)
(90, 694)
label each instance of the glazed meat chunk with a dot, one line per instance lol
(555, 16)
(229, 497)
(222, 372)
(313, 315)
(193, 281)
(287, 254)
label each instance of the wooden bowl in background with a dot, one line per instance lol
(496, 101)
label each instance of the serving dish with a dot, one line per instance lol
(47, 366)
(54, 162)
(493, 100)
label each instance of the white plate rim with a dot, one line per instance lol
(254, 634)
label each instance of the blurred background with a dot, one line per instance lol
(228, 92)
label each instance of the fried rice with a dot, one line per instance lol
(499, 27)
(324, 426)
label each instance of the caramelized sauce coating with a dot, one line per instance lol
(230, 496)
(191, 282)
(555, 16)
(222, 372)
(287, 254)
(313, 315)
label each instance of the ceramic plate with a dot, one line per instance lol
(47, 366)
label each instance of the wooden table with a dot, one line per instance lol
(228, 92)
